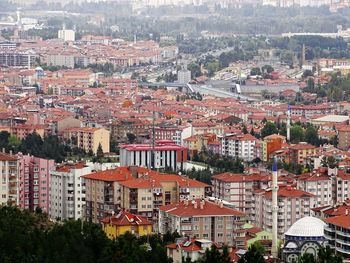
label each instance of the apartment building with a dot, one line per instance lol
(121, 127)
(344, 138)
(299, 153)
(202, 219)
(103, 194)
(270, 144)
(34, 182)
(310, 111)
(320, 185)
(87, 138)
(238, 146)
(9, 169)
(337, 234)
(15, 58)
(236, 189)
(168, 132)
(22, 131)
(67, 195)
(342, 187)
(166, 154)
(144, 195)
(293, 204)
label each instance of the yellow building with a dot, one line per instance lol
(123, 222)
(88, 139)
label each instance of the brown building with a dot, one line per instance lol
(200, 218)
(143, 196)
(272, 143)
(344, 138)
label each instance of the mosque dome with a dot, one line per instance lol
(307, 227)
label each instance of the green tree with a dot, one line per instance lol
(214, 255)
(195, 70)
(296, 134)
(254, 254)
(268, 129)
(267, 69)
(330, 162)
(311, 135)
(326, 255)
(255, 71)
(307, 258)
(99, 152)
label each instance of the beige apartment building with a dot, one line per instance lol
(87, 138)
(203, 219)
(9, 169)
(146, 194)
(102, 192)
(236, 189)
(293, 204)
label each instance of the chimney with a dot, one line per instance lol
(201, 205)
(3, 150)
(346, 212)
(186, 202)
(221, 204)
(195, 205)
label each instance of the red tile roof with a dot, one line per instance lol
(209, 209)
(342, 221)
(125, 218)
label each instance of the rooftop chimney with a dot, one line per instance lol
(221, 204)
(201, 205)
(346, 211)
(195, 205)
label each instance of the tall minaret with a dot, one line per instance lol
(288, 124)
(274, 248)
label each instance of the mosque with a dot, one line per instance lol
(305, 236)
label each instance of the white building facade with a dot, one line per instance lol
(67, 195)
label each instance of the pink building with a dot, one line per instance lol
(34, 178)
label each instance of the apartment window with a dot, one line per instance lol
(220, 234)
(205, 235)
(143, 198)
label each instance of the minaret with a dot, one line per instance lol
(302, 58)
(288, 124)
(274, 248)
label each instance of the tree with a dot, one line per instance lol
(255, 71)
(307, 258)
(244, 129)
(195, 70)
(296, 134)
(99, 152)
(326, 255)
(131, 137)
(311, 135)
(254, 254)
(268, 129)
(267, 69)
(214, 255)
(307, 73)
(330, 162)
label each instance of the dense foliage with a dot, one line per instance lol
(31, 237)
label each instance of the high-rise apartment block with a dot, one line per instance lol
(34, 179)
(9, 167)
(67, 196)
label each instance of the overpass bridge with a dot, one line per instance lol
(202, 89)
